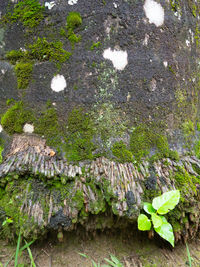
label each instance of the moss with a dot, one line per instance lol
(197, 149)
(171, 70)
(28, 12)
(95, 45)
(78, 200)
(74, 20)
(79, 145)
(23, 71)
(198, 126)
(144, 138)
(47, 125)
(43, 50)
(1, 150)
(14, 55)
(173, 154)
(63, 32)
(185, 182)
(73, 38)
(188, 128)
(15, 118)
(121, 152)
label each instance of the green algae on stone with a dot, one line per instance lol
(15, 117)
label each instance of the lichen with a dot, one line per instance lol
(15, 117)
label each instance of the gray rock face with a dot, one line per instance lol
(137, 61)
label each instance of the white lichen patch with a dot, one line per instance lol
(28, 128)
(115, 5)
(58, 83)
(146, 39)
(187, 42)
(72, 2)
(154, 12)
(1, 128)
(165, 63)
(119, 58)
(50, 5)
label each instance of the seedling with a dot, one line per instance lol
(161, 205)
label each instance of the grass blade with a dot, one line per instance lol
(189, 257)
(30, 255)
(26, 245)
(83, 255)
(9, 260)
(17, 249)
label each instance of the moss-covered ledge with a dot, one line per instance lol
(40, 192)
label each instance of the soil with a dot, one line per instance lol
(132, 250)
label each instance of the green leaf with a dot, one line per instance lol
(144, 224)
(83, 255)
(166, 231)
(149, 208)
(17, 249)
(166, 202)
(157, 220)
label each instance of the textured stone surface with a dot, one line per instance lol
(162, 61)
(132, 67)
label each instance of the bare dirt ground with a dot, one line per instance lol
(132, 250)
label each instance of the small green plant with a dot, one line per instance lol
(161, 205)
(113, 261)
(18, 252)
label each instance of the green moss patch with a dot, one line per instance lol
(74, 20)
(28, 12)
(43, 50)
(121, 152)
(23, 71)
(95, 45)
(144, 138)
(47, 125)
(79, 145)
(15, 117)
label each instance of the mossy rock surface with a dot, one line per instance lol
(109, 86)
